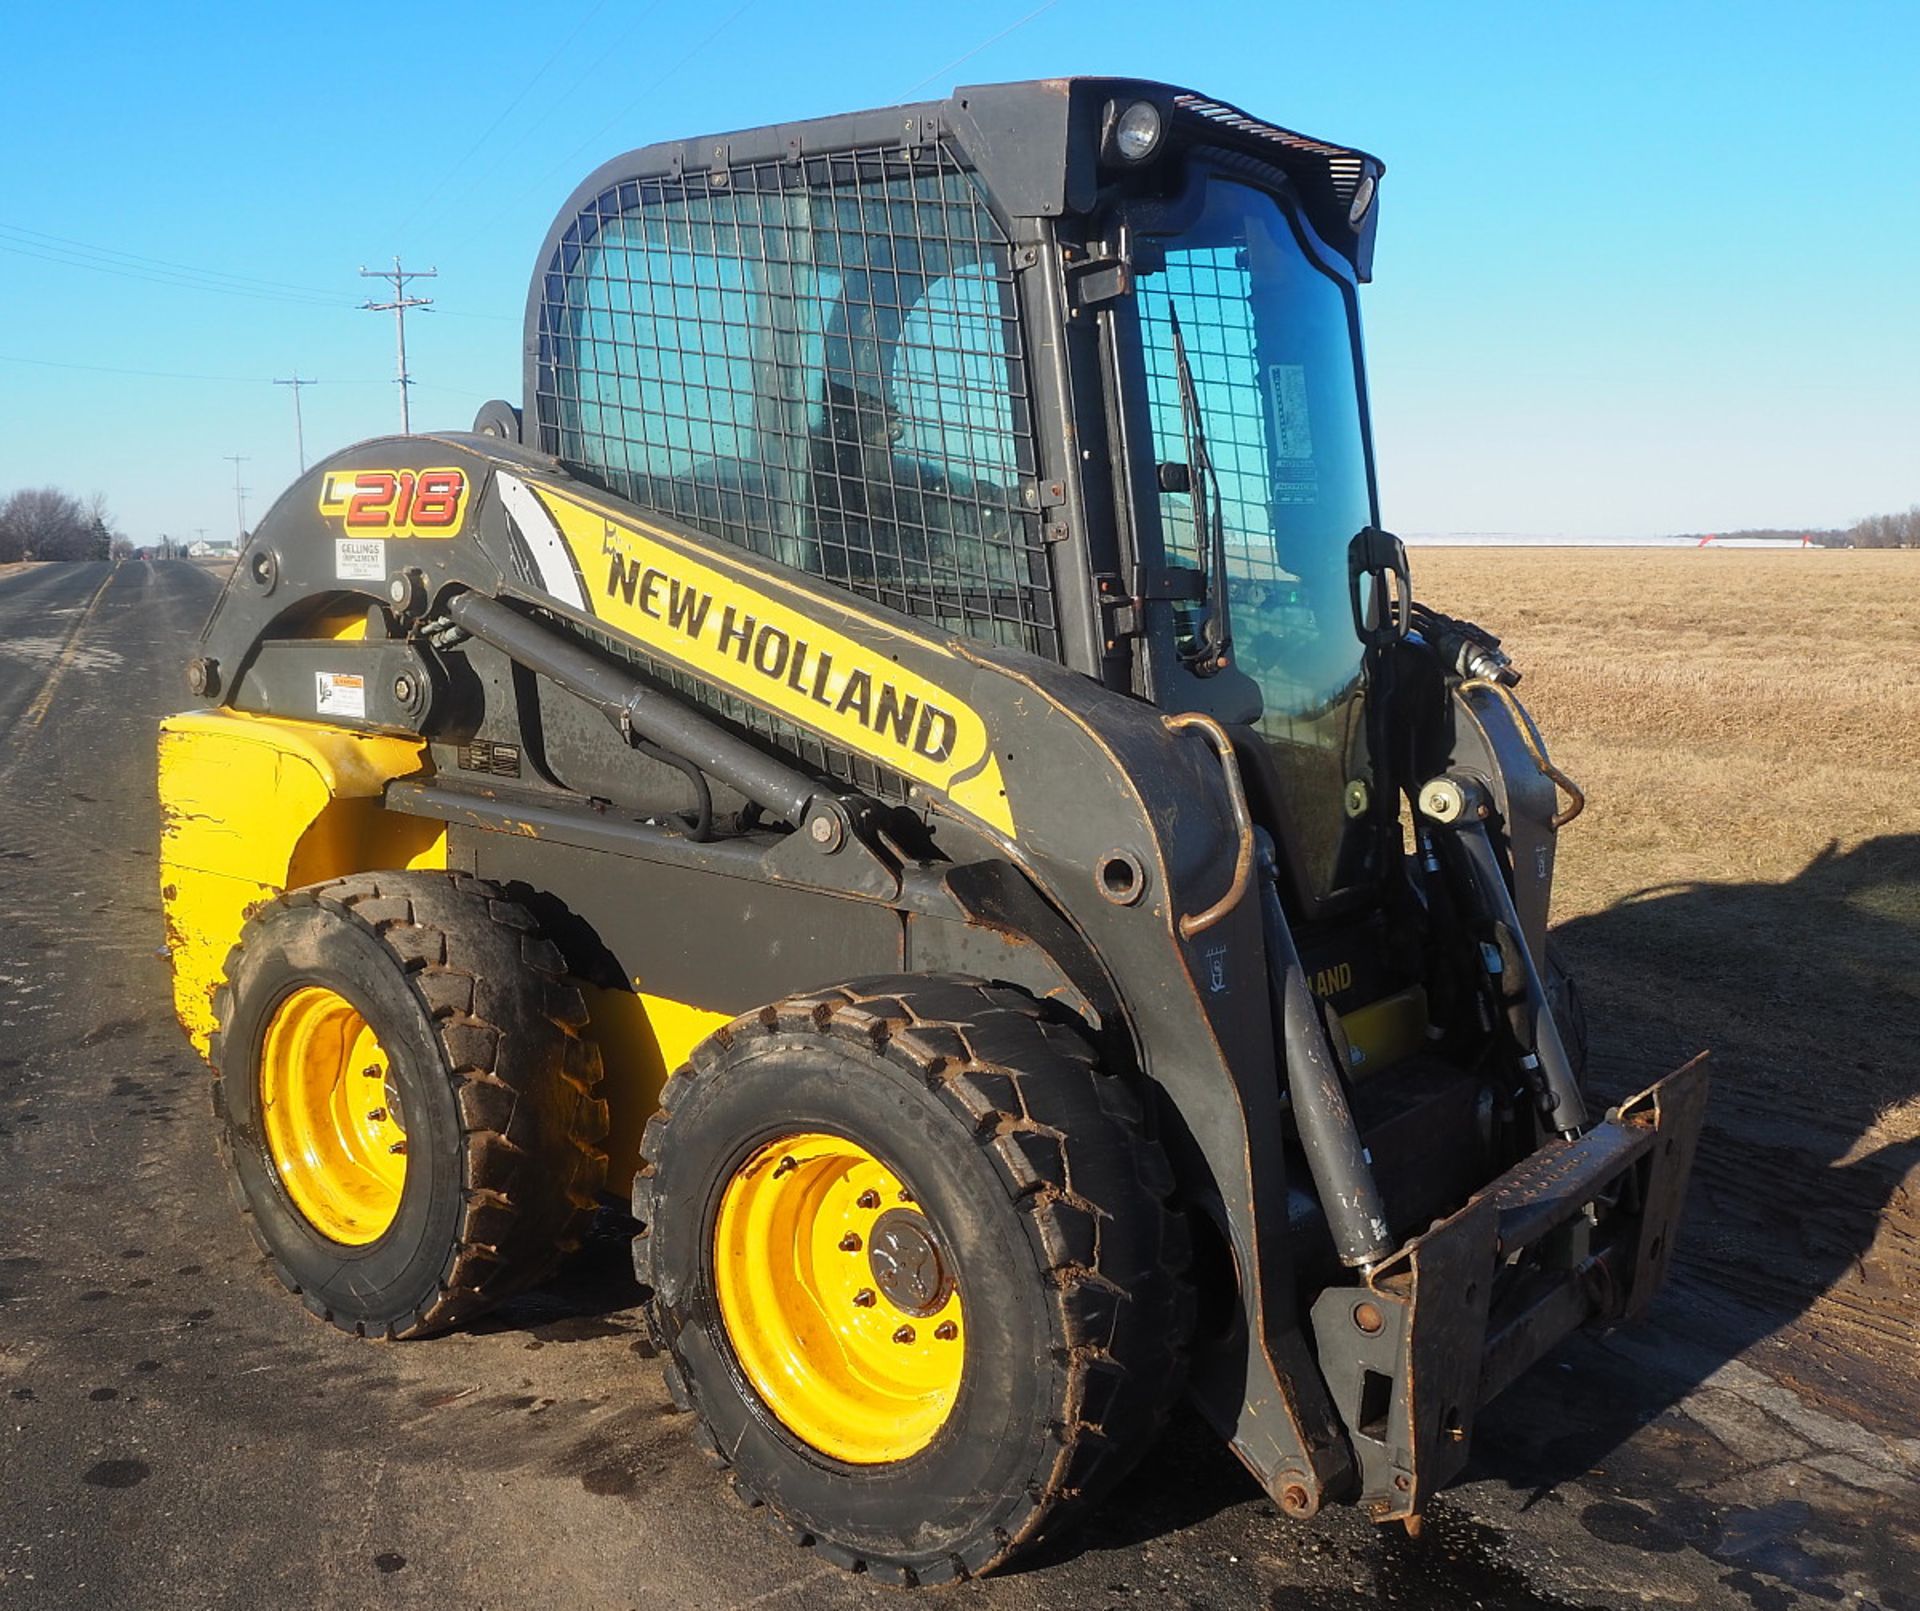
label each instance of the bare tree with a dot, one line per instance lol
(1887, 531)
(45, 523)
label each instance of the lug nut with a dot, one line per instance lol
(946, 1331)
(868, 1199)
(850, 1243)
(376, 1115)
(905, 1195)
(373, 1071)
(903, 1335)
(785, 1166)
(398, 1147)
(863, 1299)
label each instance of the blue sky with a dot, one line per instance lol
(1642, 268)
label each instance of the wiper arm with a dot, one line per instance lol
(1209, 654)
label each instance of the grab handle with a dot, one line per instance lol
(1216, 735)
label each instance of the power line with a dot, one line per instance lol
(182, 278)
(150, 374)
(566, 99)
(398, 308)
(502, 115)
(672, 72)
(158, 262)
(299, 431)
(180, 281)
(175, 374)
(994, 39)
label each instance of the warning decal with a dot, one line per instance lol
(340, 693)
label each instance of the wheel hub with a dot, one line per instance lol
(839, 1303)
(904, 1255)
(331, 1116)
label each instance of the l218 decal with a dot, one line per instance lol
(395, 503)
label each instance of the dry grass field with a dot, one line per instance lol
(1746, 878)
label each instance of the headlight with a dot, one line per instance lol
(1137, 131)
(1362, 200)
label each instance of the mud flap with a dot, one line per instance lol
(1579, 1233)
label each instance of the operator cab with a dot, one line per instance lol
(1071, 367)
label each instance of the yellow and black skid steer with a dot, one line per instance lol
(911, 751)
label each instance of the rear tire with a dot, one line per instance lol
(407, 1109)
(1046, 1202)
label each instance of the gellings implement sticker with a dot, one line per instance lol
(722, 629)
(360, 559)
(395, 503)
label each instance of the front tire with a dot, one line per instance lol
(407, 1109)
(910, 1256)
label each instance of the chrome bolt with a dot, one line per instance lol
(868, 1199)
(946, 1331)
(850, 1243)
(903, 1335)
(863, 1299)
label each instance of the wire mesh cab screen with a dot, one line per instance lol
(818, 360)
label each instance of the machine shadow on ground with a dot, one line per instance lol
(1804, 991)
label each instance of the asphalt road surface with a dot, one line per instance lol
(176, 1431)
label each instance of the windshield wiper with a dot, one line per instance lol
(1209, 651)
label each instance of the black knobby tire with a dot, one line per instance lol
(1042, 1176)
(481, 1025)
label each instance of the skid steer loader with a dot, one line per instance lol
(911, 750)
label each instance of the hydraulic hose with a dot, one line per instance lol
(1337, 1160)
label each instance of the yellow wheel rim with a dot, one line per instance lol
(336, 1143)
(838, 1299)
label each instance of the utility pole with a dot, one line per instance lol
(398, 308)
(299, 433)
(239, 498)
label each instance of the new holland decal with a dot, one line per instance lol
(722, 629)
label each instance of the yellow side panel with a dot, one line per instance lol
(1386, 1030)
(642, 1040)
(252, 806)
